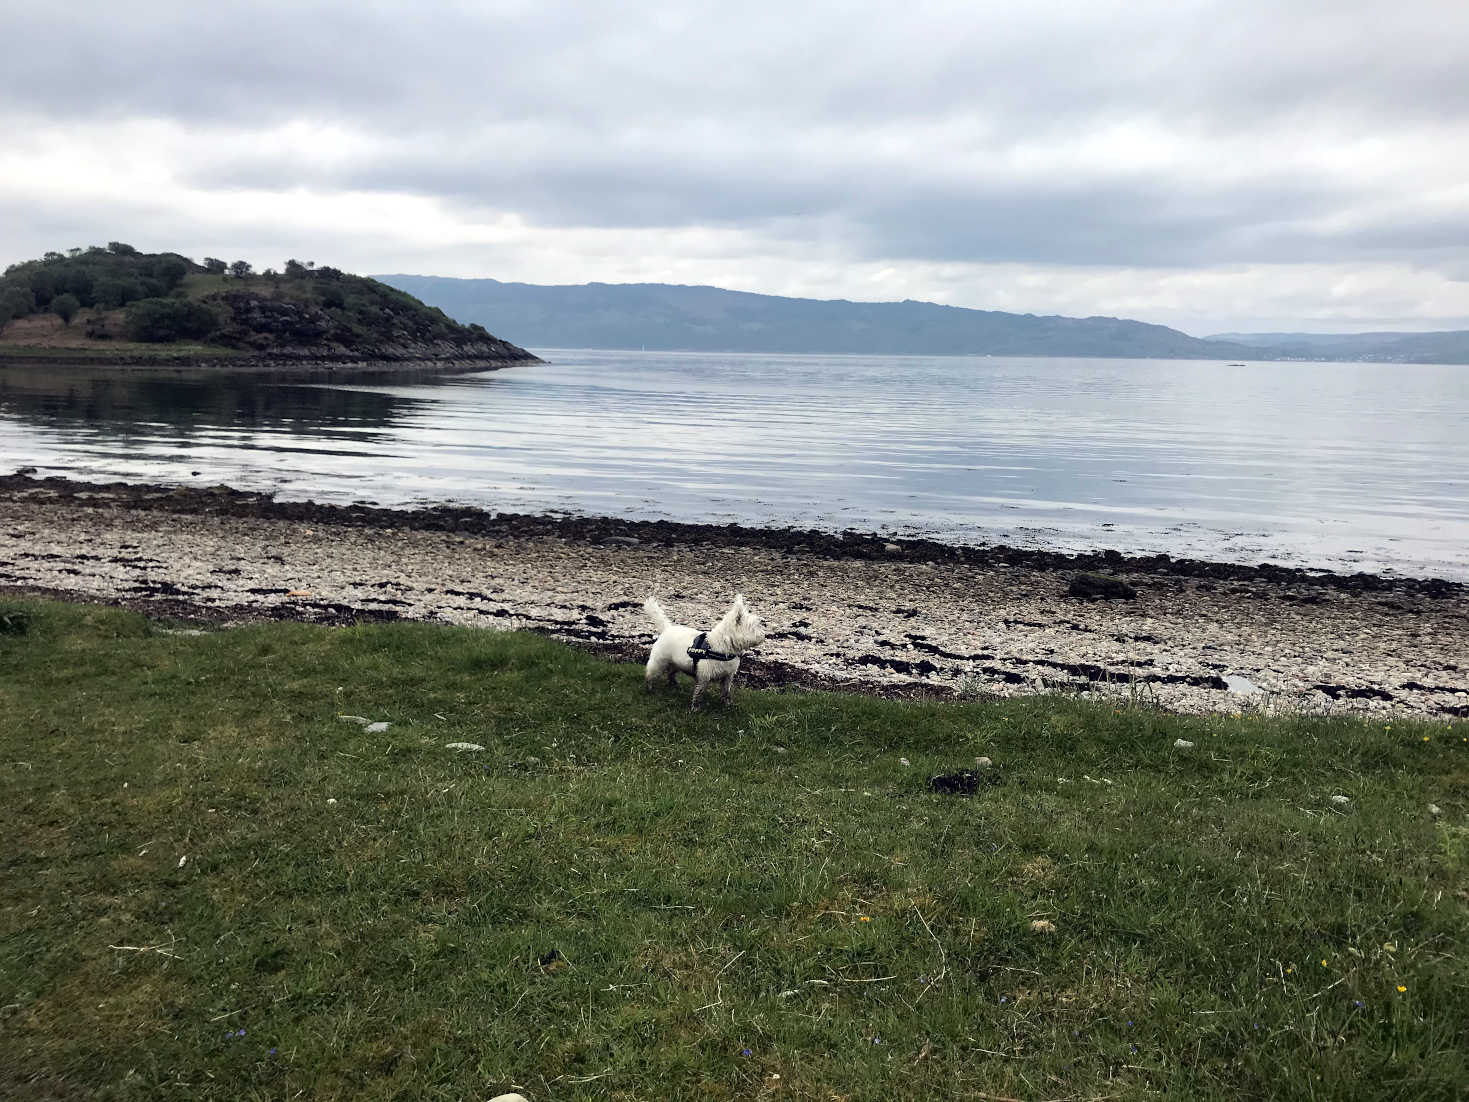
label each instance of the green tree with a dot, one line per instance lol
(43, 285)
(18, 300)
(65, 307)
(295, 269)
(241, 269)
(170, 271)
(215, 266)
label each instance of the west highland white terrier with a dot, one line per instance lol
(709, 656)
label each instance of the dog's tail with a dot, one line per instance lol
(657, 615)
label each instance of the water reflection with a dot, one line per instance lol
(137, 403)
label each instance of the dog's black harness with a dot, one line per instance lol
(698, 650)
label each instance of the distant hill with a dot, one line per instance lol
(672, 317)
(1449, 347)
(118, 303)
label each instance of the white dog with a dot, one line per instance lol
(709, 656)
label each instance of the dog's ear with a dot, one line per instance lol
(739, 601)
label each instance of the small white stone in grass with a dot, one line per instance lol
(1341, 801)
(509, 1098)
(1435, 810)
(183, 860)
(904, 761)
(376, 728)
(330, 801)
(983, 763)
(462, 746)
(1182, 744)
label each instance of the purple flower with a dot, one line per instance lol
(744, 1052)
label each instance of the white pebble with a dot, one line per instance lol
(1435, 810)
(904, 761)
(1341, 801)
(462, 746)
(509, 1098)
(377, 728)
(331, 800)
(1182, 744)
(983, 763)
(183, 860)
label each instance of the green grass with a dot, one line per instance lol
(757, 891)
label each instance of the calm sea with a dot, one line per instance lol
(1347, 466)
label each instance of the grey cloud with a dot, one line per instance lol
(864, 116)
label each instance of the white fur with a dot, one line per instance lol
(738, 631)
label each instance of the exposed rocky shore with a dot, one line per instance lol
(844, 610)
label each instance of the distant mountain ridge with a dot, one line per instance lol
(674, 317)
(1444, 347)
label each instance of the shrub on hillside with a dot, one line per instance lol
(162, 320)
(65, 307)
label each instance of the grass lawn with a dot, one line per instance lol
(214, 887)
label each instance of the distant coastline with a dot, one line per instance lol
(675, 318)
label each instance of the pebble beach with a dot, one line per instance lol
(844, 613)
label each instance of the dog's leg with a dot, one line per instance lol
(672, 677)
(728, 684)
(699, 685)
(653, 673)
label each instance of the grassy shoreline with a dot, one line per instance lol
(617, 899)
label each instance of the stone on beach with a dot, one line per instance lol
(1099, 587)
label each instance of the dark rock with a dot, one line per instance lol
(1099, 587)
(965, 782)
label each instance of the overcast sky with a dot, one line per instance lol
(1247, 164)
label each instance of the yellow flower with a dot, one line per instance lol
(864, 918)
(1323, 962)
(1401, 987)
(1425, 738)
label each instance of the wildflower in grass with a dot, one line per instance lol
(1133, 1047)
(744, 1052)
(1401, 988)
(1323, 962)
(863, 918)
(877, 1040)
(1359, 1004)
(1425, 738)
